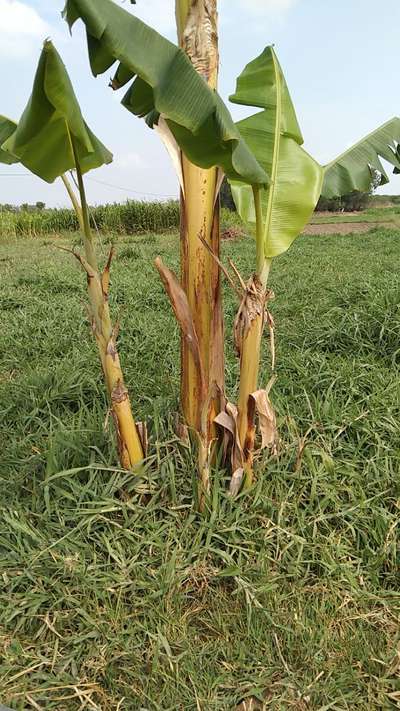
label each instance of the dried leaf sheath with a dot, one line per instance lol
(198, 383)
(249, 328)
(183, 313)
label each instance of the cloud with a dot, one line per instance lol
(21, 28)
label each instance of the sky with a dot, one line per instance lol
(341, 60)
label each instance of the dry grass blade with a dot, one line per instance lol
(271, 326)
(224, 270)
(239, 276)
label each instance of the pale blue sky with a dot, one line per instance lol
(340, 58)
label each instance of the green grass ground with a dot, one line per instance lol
(375, 215)
(114, 593)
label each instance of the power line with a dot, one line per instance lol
(100, 182)
(129, 190)
(15, 175)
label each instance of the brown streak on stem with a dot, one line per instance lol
(119, 392)
(111, 349)
(123, 453)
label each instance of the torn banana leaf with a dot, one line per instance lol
(356, 168)
(166, 84)
(274, 136)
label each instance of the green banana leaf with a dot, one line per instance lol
(52, 122)
(166, 84)
(355, 168)
(274, 136)
(7, 128)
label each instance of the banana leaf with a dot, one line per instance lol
(166, 84)
(52, 123)
(274, 136)
(7, 128)
(356, 168)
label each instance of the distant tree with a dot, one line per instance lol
(385, 200)
(40, 205)
(356, 201)
(329, 204)
(352, 202)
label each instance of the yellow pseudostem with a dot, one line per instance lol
(249, 328)
(200, 276)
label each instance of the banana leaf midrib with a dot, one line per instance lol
(275, 158)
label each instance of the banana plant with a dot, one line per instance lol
(275, 183)
(174, 88)
(51, 139)
(279, 212)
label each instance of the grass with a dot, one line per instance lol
(374, 215)
(115, 594)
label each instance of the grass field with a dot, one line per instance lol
(114, 593)
(374, 215)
